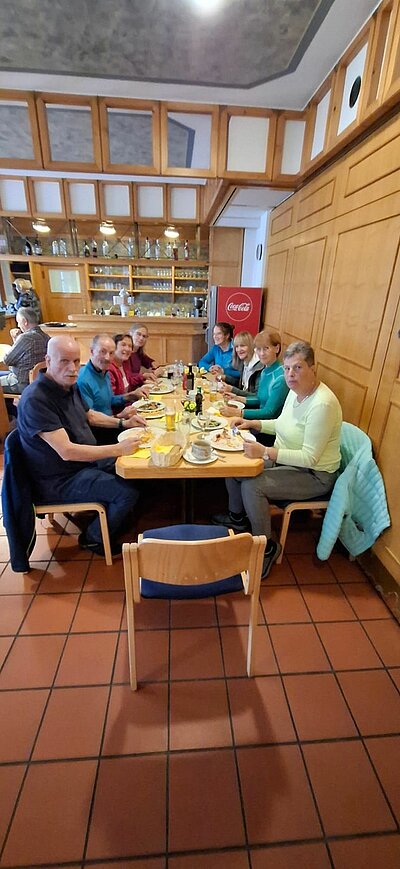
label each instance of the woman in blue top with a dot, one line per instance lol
(272, 388)
(218, 360)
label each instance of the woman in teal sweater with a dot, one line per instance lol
(272, 389)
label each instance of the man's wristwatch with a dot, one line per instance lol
(121, 425)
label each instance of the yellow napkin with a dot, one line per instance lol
(163, 449)
(143, 453)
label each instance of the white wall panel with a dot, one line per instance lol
(321, 119)
(82, 198)
(150, 201)
(183, 203)
(292, 147)
(247, 144)
(355, 68)
(48, 197)
(117, 200)
(13, 195)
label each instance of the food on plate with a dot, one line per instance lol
(160, 387)
(209, 424)
(149, 408)
(226, 440)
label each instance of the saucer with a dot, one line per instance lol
(189, 457)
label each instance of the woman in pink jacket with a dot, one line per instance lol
(123, 380)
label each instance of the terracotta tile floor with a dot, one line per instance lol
(201, 768)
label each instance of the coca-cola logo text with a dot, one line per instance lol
(239, 306)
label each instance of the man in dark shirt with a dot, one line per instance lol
(65, 463)
(30, 345)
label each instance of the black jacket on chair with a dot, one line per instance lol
(18, 509)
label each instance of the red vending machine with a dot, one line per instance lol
(241, 306)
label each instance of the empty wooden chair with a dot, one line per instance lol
(191, 564)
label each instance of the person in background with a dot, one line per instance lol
(29, 348)
(122, 379)
(94, 385)
(218, 360)
(272, 388)
(139, 361)
(26, 297)
(246, 360)
(304, 461)
(64, 461)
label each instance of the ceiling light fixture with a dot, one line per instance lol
(107, 227)
(40, 225)
(171, 232)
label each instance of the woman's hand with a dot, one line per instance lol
(230, 411)
(227, 388)
(149, 375)
(159, 370)
(234, 421)
(249, 423)
(253, 450)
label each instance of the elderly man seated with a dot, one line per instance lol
(95, 387)
(30, 344)
(66, 464)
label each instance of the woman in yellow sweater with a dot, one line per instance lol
(304, 460)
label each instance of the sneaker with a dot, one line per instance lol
(272, 552)
(98, 548)
(239, 525)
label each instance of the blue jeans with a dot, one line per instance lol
(98, 483)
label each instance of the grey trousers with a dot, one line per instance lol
(276, 483)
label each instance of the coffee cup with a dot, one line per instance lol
(201, 449)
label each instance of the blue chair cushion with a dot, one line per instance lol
(150, 588)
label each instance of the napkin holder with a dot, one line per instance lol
(177, 443)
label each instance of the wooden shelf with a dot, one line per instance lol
(188, 293)
(205, 278)
(103, 275)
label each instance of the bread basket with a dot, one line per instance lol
(168, 449)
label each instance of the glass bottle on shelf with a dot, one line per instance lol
(28, 248)
(62, 247)
(168, 250)
(147, 248)
(130, 246)
(105, 247)
(186, 251)
(55, 248)
(175, 249)
(37, 247)
(94, 247)
(86, 249)
(157, 249)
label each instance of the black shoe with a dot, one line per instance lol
(272, 552)
(98, 548)
(238, 525)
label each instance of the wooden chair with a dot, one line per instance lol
(286, 510)
(35, 370)
(192, 563)
(81, 507)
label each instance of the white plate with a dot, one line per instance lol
(163, 387)
(233, 403)
(158, 411)
(235, 447)
(189, 457)
(220, 420)
(128, 433)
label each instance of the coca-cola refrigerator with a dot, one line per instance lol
(241, 306)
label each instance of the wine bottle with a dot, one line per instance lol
(105, 247)
(55, 248)
(86, 249)
(186, 252)
(175, 249)
(157, 249)
(147, 248)
(94, 247)
(28, 248)
(37, 247)
(190, 377)
(199, 401)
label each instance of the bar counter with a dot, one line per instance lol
(170, 338)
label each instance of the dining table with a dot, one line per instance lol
(139, 465)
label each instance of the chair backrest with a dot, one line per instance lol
(4, 348)
(352, 439)
(194, 562)
(35, 370)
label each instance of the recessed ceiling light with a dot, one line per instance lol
(107, 227)
(207, 7)
(40, 225)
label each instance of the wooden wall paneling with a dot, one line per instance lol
(82, 198)
(289, 147)
(384, 432)
(69, 101)
(14, 195)
(300, 304)
(150, 202)
(36, 161)
(391, 87)
(185, 109)
(262, 156)
(377, 68)
(278, 269)
(372, 172)
(138, 106)
(183, 203)
(359, 305)
(116, 200)
(340, 126)
(282, 221)
(47, 197)
(226, 248)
